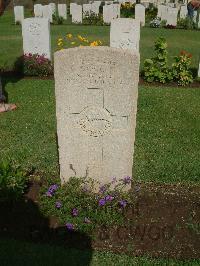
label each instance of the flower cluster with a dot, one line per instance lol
(36, 65)
(73, 41)
(79, 205)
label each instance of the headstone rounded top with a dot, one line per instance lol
(100, 49)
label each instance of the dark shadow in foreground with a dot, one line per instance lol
(29, 238)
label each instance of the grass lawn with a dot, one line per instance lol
(20, 253)
(167, 134)
(11, 39)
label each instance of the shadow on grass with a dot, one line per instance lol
(9, 77)
(29, 238)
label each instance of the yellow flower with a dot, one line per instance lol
(69, 35)
(80, 38)
(60, 40)
(100, 42)
(72, 42)
(95, 43)
(60, 43)
(85, 40)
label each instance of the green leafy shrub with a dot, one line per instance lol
(34, 65)
(57, 19)
(92, 19)
(163, 23)
(181, 69)
(156, 69)
(127, 10)
(151, 12)
(12, 182)
(186, 23)
(78, 207)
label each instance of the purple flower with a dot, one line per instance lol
(102, 202)
(109, 198)
(86, 220)
(58, 204)
(123, 203)
(102, 189)
(51, 190)
(74, 212)
(127, 180)
(70, 227)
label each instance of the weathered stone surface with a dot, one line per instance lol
(125, 33)
(47, 12)
(38, 10)
(172, 14)
(36, 36)
(96, 103)
(19, 14)
(62, 10)
(111, 12)
(140, 14)
(77, 16)
(72, 5)
(183, 11)
(95, 7)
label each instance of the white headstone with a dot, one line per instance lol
(125, 33)
(199, 70)
(111, 12)
(72, 5)
(36, 36)
(162, 12)
(62, 10)
(38, 10)
(95, 7)
(87, 8)
(172, 14)
(96, 106)
(183, 11)
(77, 16)
(53, 7)
(47, 12)
(19, 14)
(140, 13)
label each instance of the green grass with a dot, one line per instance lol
(11, 40)
(20, 253)
(167, 133)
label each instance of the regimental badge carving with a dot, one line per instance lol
(95, 121)
(34, 28)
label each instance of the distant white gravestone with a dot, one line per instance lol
(183, 11)
(47, 12)
(199, 70)
(72, 5)
(19, 14)
(62, 10)
(77, 16)
(111, 12)
(125, 33)
(172, 14)
(38, 10)
(87, 8)
(36, 36)
(140, 13)
(96, 105)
